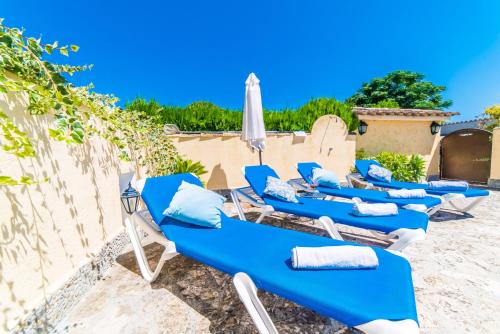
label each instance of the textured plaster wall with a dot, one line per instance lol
(223, 155)
(402, 136)
(50, 230)
(495, 158)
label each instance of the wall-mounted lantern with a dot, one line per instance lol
(435, 126)
(130, 199)
(362, 128)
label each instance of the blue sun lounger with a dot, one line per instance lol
(375, 301)
(408, 226)
(452, 197)
(429, 204)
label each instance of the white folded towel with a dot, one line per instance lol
(334, 257)
(407, 193)
(375, 209)
(448, 185)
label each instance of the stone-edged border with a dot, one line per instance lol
(45, 317)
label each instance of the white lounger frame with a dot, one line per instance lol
(247, 291)
(457, 201)
(405, 236)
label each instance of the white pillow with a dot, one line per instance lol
(380, 173)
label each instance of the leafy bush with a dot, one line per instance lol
(206, 116)
(361, 154)
(188, 166)
(403, 167)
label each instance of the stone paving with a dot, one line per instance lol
(456, 273)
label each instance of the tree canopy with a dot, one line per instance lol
(405, 89)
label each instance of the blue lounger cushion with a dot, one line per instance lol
(367, 195)
(263, 252)
(364, 165)
(338, 211)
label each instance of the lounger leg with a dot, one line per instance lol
(236, 201)
(406, 237)
(468, 207)
(247, 291)
(329, 226)
(433, 210)
(169, 252)
(266, 211)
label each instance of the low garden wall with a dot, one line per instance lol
(223, 154)
(57, 236)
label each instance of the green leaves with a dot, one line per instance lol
(188, 166)
(206, 116)
(403, 168)
(68, 129)
(48, 92)
(64, 51)
(405, 89)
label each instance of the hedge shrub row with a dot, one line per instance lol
(206, 116)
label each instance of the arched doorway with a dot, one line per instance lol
(466, 155)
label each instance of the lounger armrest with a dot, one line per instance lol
(406, 237)
(382, 326)
(329, 226)
(169, 247)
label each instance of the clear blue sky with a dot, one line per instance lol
(183, 51)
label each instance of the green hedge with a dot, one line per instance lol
(206, 116)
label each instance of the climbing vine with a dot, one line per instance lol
(78, 111)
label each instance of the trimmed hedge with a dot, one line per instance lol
(206, 116)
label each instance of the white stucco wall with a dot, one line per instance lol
(49, 230)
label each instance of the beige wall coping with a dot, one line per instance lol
(402, 118)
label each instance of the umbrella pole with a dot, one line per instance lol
(260, 156)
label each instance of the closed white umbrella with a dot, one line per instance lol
(253, 129)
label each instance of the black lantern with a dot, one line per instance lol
(130, 199)
(435, 126)
(362, 128)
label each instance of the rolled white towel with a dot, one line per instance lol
(448, 185)
(334, 257)
(407, 193)
(375, 209)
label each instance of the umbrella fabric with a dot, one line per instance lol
(253, 130)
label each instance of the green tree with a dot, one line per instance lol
(404, 88)
(389, 103)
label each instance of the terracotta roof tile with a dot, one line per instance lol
(402, 112)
